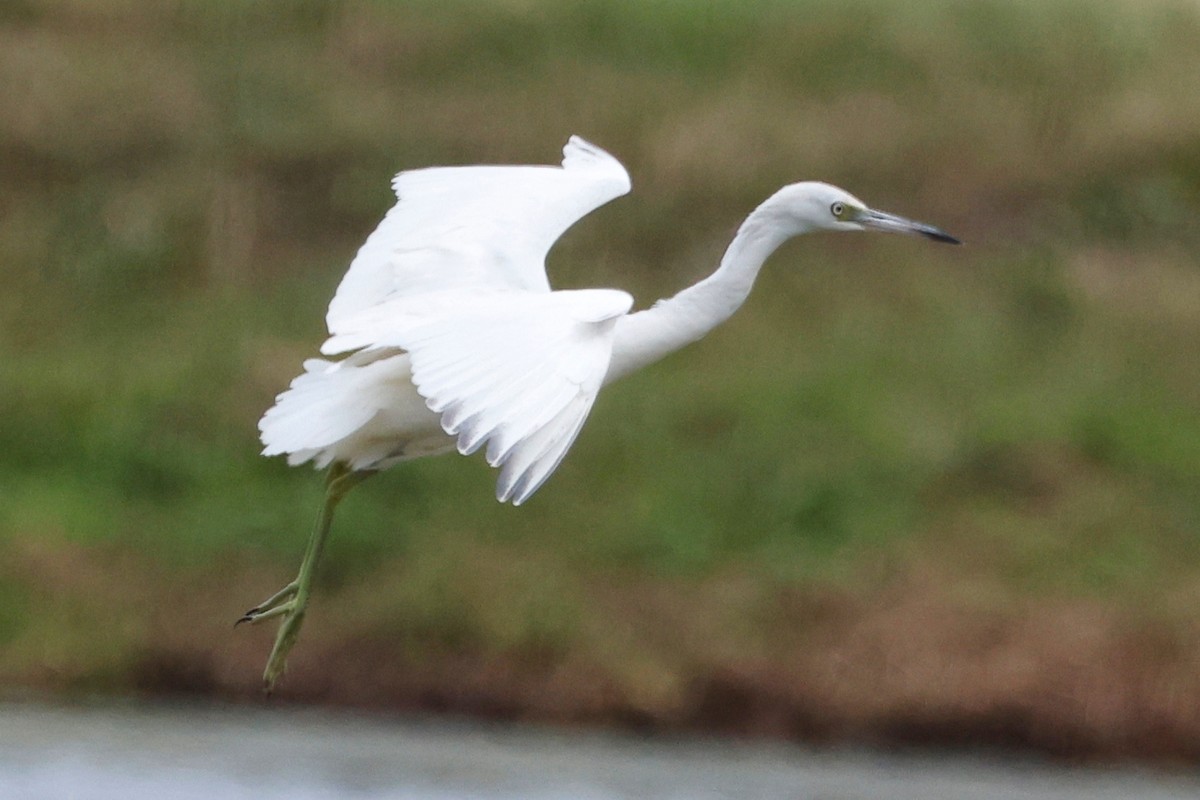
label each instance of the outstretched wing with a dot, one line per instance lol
(455, 275)
(516, 371)
(475, 228)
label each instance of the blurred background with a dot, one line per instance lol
(910, 494)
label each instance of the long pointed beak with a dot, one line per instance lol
(883, 221)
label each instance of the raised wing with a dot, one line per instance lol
(475, 228)
(516, 371)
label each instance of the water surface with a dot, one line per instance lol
(181, 753)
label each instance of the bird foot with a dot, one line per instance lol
(288, 604)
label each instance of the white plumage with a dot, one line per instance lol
(448, 301)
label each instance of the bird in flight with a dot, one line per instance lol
(448, 335)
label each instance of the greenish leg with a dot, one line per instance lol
(291, 601)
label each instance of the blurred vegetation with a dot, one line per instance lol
(908, 492)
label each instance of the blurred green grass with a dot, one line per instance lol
(182, 185)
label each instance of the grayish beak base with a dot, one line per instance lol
(883, 221)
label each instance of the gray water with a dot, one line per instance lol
(181, 753)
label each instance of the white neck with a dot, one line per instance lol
(646, 336)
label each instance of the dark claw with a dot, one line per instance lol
(248, 616)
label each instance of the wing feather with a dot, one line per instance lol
(515, 371)
(475, 228)
(534, 459)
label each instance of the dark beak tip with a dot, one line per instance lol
(945, 238)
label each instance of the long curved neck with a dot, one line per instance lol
(646, 336)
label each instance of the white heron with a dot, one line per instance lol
(453, 338)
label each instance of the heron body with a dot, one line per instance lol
(451, 337)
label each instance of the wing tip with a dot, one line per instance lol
(579, 153)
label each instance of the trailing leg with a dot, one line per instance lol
(291, 601)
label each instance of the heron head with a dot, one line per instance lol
(813, 205)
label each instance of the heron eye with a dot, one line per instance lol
(837, 209)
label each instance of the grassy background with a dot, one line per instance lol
(909, 493)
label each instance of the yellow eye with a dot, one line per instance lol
(838, 210)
